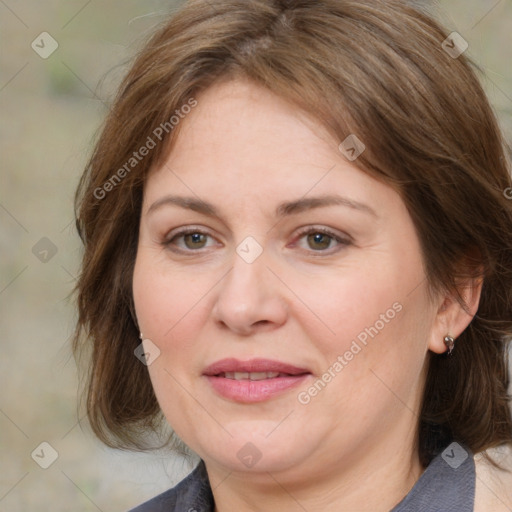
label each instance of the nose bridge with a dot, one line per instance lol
(245, 283)
(247, 295)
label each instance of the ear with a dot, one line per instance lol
(452, 317)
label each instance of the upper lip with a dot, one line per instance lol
(252, 365)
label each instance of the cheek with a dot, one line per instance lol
(375, 316)
(162, 296)
(352, 304)
(170, 308)
(373, 364)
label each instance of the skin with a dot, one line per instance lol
(352, 447)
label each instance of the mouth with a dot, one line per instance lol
(251, 375)
(255, 380)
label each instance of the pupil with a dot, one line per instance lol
(194, 239)
(319, 241)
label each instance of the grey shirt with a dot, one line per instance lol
(447, 485)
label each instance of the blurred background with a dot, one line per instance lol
(60, 62)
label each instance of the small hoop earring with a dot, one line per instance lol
(450, 343)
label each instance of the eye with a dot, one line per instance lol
(189, 240)
(320, 240)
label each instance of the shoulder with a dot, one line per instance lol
(493, 485)
(192, 493)
(448, 484)
(163, 502)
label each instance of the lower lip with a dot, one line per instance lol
(251, 391)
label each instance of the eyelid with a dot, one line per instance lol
(185, 230)
(338, 235)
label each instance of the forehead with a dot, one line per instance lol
(243, 144)
(240, 120)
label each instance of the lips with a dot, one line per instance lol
(255, 380)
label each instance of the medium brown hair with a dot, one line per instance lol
(373, 68)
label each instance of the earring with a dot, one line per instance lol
(141, 336)
(450, 343)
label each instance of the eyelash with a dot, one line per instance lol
(168, 242)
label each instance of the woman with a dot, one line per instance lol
(300, 209)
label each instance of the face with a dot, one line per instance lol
(284, 289)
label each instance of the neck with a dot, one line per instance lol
(375, 482)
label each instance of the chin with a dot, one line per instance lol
(254, 447)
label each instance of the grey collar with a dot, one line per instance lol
(447, 485)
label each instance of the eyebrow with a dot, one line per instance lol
(308, 203)
(189, 203)
(284, 209)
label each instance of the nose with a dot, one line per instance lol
(249, 299)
